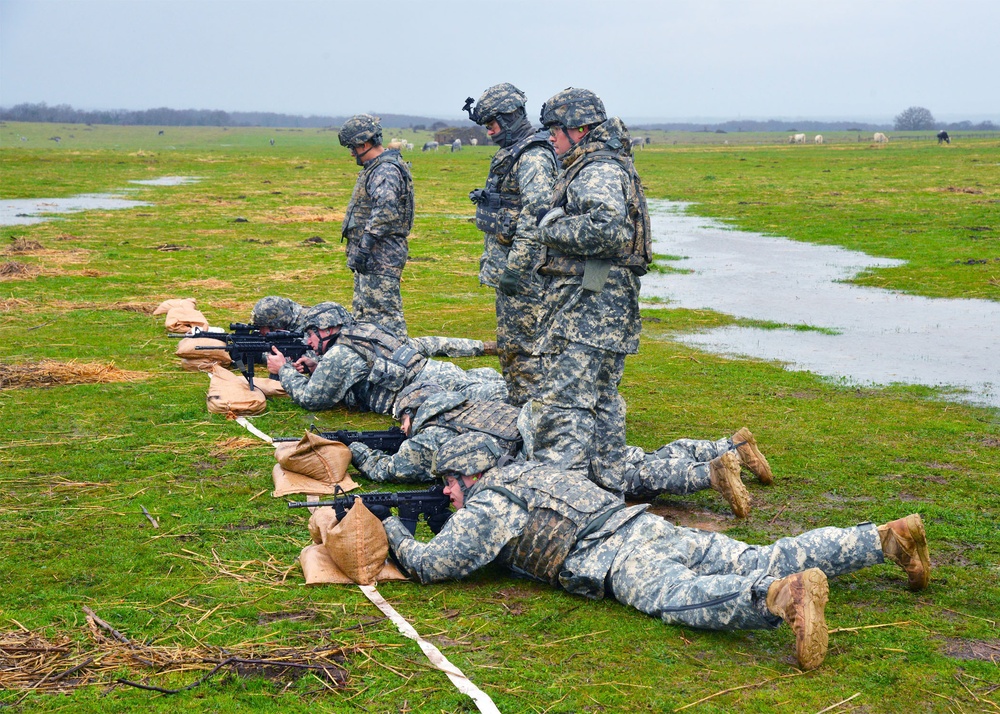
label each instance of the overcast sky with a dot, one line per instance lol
(672, 59)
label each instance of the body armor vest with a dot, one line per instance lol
(639, 254)
(359, 210)
(560, 512)
(393, 363)
(498, 419)
(497, 206)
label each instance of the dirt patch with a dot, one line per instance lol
(171, 248)
(961, 189)
(984, 650)
(49, 373)
(991, 441)
(302, 214)
(300, 616)
(690, 517)
(313, 240)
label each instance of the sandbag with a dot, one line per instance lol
(313, 465)
(230, 394)
(195, 360)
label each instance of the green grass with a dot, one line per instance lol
(77, 462)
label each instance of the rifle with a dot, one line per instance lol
(388, 440)
(433, 503)
(236, 328)
(247, 346)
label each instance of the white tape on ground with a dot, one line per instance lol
(461, 682)
(245, 423)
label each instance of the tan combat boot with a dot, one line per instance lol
(800, 600)
(724, 476)
(746, 445)
(904, 542)
(490, 347)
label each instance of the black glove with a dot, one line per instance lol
(509, 282)
(437, 521)
(358, 261)
(380, 512)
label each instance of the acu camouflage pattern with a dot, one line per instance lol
(527, 171)
(678, 468)
(681, 575)
(495, 418)
(277, 313)
(573, 108)
(392, 363)
(377, 298)
(502, 98)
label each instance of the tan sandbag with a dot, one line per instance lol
(355, 551)
(230, 394)
(270, 387)
(167, 305)
(183, 318)
(194, 360)
(316, 457)
(288, 482)
(321, 520)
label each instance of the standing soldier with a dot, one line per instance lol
(597, 243)
(518, 186)
(378, 220)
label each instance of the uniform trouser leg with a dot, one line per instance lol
(432, 346)
(573, 404)
(517, 329)
(608, 468)
(678, 468)
(377, 299)
(478, 385)
(707, 580)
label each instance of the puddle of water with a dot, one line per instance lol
(28, 211)
(882, 337)
(169, 181)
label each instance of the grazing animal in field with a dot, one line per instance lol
(430, 146)
(818, 139)
(409, 146)
(397, 144)
(272, 142)
(160, 132)
(880, 138)
(56, 139)
(943, 138)
(797, 139)
(456, 145)
(473, 142)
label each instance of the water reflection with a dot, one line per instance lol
(881, 336)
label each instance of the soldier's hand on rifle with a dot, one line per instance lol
(275, 361)
(305, 365)
(380, 512)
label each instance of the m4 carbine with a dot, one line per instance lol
(388, 440)
(432, 503)
(247, 346)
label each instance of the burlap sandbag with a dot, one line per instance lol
(269, 387)
(313, 465)
(230, 394)
(167, 305)
(195, 360)
(353, 551)
(321, 520)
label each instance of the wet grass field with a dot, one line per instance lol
(219, 576)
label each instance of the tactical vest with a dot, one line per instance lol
(497, 206)
(498, 419)
(393, 363)
(359, 210)
(639, 254)
(561, 511)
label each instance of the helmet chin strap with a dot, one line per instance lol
(359, 158)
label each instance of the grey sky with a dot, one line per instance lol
(673, 59)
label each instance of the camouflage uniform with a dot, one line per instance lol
(550, 525)
(355, 377)
(280, 313)
(590, 318)
(518, 186)
(678, 468)
(378, 220)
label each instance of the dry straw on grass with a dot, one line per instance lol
(47, 373)
(23, 245)
(30, 662)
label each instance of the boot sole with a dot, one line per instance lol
(812, 638)
(915, 526)
(753, 459)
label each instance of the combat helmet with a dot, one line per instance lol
(276, 313)
(572, 108)
(503, 103)
(359, 129)
(412, 396)
(466, 455)
(326, 315)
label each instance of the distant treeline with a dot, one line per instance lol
(732, 127)
(65, 114)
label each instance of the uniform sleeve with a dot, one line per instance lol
(536, 174)
(472, 538)
(386, 188)
(596, 222)
(338, 371)
(411, 464)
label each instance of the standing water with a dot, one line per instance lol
(869, 335)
